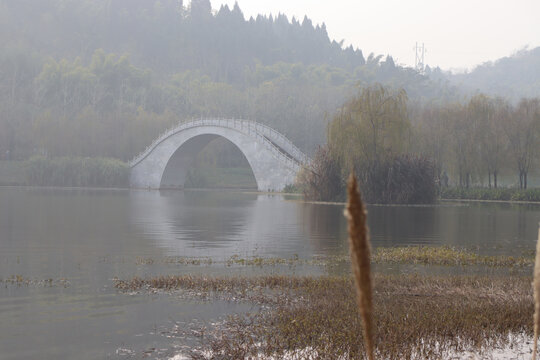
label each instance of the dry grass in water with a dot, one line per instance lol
(412, 255)
(415, 317)
(19, 281)
(446, 256)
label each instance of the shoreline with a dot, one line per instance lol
(231, 190)
(441, 201)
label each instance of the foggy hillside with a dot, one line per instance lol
(512, 77)
(169, 37)
(105, 77)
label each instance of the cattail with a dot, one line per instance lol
(360, 260)
(536, 293)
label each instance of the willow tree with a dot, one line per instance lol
(523, 133)
(485, 136)
(433, 136)
(491, 140)
(370, 128)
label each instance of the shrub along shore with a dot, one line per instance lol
(499, 194)
(76, 172)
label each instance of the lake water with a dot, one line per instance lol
(82, 239)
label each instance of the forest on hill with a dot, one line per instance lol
(512, 77)
(103, 78)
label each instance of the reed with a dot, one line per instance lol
(536, 290)
(360, 260)
(317, 317)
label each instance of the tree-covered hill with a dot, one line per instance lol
(169, 37)
(512, 77)
(104, 77)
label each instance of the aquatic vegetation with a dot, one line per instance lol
(19, 280)
(414, 316)
(446, 256)
(175, 260)
(406, 255)
(261, 261)
(234, 260)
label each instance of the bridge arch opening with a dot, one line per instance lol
(208, 161)
(273, 159)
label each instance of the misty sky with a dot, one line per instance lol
(457, 34)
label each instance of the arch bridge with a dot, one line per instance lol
(273, 158)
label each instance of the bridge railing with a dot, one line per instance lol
(292, 156)
(282, 141)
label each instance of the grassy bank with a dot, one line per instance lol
(415, 316)
(500, 194)
(76, 172)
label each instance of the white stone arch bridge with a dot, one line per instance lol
(273, 158)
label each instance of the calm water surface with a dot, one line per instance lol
(84, 238)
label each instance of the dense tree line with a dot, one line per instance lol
(402, 150)
(67, 87)
(112, 108)
(168, 36)
(478, 140)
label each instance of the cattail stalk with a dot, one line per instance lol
(360, 260)
(536, 293)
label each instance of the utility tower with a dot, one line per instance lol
(419, 52)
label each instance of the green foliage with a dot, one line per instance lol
(85, 172)
(293, 189)
(109, 83)
(526, 195)
(371, 127)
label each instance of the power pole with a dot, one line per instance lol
(419, 52)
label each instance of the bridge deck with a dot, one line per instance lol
(282, 147)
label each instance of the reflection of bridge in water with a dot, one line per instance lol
(273, 158)
(220, 224)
